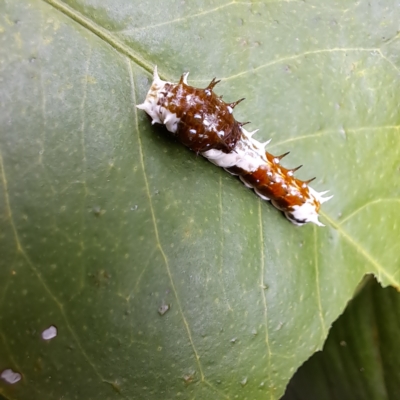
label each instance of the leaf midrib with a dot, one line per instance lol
(103, 34)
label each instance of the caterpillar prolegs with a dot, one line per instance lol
(202, 121)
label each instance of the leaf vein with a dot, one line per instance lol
(331, 131)
(300, 55)
(102, 33)
(154, 221)
(317, 284)
(360, 249)
(221, 263)
(262, 289)
(359, 209)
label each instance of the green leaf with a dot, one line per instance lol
(359, 359)
(107, 223)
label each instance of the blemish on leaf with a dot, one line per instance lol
(100, 278)
(115, 385)
(49, 333)
(163, 309)
(189, 377)
(38, 366)
(279, 327)
(98, 211)
(10, 376)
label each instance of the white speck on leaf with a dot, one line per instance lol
(49, 333)
(10, 376)
(163, 309)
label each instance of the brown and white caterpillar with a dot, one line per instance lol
(202, 121)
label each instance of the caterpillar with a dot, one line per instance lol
(202, 121)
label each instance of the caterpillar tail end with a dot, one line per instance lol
(308, 211)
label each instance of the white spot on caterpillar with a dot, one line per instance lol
(246, 156)
(10, 376)
(169, 119)
(49, 333)
(230, 109)
(192, 131)
(197, 116)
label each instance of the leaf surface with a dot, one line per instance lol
(107, 223)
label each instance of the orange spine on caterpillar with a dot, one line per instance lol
(202, 121)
